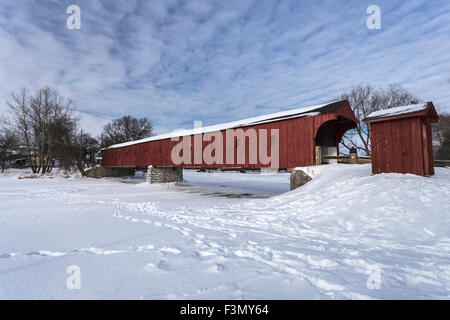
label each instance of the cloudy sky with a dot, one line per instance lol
(179, 61)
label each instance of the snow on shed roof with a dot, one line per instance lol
(412, 108)
(282, 115)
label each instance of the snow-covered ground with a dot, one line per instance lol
(227, 236)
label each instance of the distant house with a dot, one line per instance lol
(19, 163)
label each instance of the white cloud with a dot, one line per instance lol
(91, 124)
(216, 61)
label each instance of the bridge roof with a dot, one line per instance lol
(277, 116)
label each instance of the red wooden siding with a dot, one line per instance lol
(296, 143)
(403, 143)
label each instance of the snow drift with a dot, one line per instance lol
(194, 241)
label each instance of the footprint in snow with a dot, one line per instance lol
(161, 265)
(170, 250)
(35, 253)
(164, 265)
(217, 267)
(206, 253)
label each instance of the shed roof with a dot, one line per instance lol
(282, 115)
(420, 109)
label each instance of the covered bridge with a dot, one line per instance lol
(291, 135)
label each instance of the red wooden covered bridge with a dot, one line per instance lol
(293, 134)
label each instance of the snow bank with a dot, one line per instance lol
(135, 240)
(313, 171)
(384, 206)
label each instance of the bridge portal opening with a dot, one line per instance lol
(326, 140)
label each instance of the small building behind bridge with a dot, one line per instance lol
(401, 139)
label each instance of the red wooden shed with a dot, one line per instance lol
(300, 130)
(401, 139)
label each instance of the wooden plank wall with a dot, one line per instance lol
(296, 145)
(397, 146)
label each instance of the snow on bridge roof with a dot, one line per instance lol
(282, 115)
(412, 108)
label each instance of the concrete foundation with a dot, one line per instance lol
(298, 178)
(102, 172)
(164, 174)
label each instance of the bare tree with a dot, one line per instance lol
(37, 118)
(8, 143)
(443, 153)
(76, 149)
(365, 99)
(125, 129)
(440, 129)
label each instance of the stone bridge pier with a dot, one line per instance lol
(164, 174)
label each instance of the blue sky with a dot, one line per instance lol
(216, 61)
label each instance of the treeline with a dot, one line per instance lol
(43, 126)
